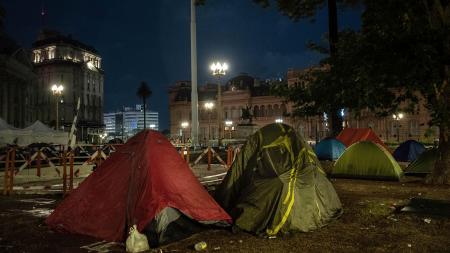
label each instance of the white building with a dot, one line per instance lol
(129, 121)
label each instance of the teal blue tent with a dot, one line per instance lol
(329, 149)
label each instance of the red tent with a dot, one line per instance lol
(143, 177)
(348, 136)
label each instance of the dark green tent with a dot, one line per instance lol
(276, 185)
(366, 159)
(424, 164)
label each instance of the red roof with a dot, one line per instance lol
(131, 187)
(348, 136)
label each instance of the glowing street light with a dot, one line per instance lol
(398, 117)
(184, 125)
(57, 91)
(279, 121)
(209, 105)
(103, 136)
(229, 126)
(219, 69)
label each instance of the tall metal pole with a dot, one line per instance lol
(57, 116)
(209, 126)
(194, 95)
(219, 111)
(123, 123)
(398, 132)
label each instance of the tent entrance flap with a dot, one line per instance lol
(170, 225)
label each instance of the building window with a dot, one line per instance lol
(276, 110)
(269, 111)
(413, 128)
(256, 111)
(51, 52)
(37, 56)
(262, 111)
(283, 109)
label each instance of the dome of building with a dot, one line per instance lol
(241, 82)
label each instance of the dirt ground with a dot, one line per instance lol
(371, 223)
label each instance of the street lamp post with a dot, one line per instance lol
(208, 106)
(184, 125)
(102, 137)
(397, 118)
(219, 69)
(229, 126)
(57, 91)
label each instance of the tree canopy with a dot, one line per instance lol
(143, 91)
(401, 55)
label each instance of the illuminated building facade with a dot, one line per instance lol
(245, 91)
(129, 121)
(238, 94)
(62, 60)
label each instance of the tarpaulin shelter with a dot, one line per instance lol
(348, 136)
(424, 164)
(369, 160)
(5, 126)
(276, 185)
(36, 132)
(408, 151)
(145, 182)
(329, 149)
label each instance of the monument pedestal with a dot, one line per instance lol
(245, 130)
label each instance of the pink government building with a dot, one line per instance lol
(245, 91)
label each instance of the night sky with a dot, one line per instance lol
(149, 40)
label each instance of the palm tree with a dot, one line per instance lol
(143, 92)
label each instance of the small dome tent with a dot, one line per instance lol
(408, 151)
(329, 149)
(366, 159)
(276, 185)
(424, 164)
(145, 182)
(349, 136)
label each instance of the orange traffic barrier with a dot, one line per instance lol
(71, 171)
(209, 158)
(38, 163)
(64, 173)
(182, 153)
(188, 154)
(9, 171)
(67, 158)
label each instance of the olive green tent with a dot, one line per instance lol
(424, 164)
(369, 160)
(276, 185)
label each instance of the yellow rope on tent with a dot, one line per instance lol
(291, 192)
(285, 216)
(304, 154)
